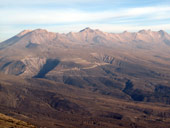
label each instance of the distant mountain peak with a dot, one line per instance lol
(40, 31)
(162, 32)
(24, 32)
(125, 31)
(145, 31)
(87, 30)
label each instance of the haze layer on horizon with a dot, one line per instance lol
(74, 15)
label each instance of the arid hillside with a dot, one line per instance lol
(45, 103)
(87, 79)
(9, 122)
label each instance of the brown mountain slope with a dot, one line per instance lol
(49, 104)
(8, 122)
(91, 58)
(88, 79)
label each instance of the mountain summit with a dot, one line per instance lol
(87, 30)
(23, 33)
(88, 35)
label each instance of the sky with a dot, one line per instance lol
(64, 16)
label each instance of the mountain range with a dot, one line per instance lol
(111, 79)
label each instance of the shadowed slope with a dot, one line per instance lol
(47, 67)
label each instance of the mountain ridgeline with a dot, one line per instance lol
(92, 58)
(55, 74)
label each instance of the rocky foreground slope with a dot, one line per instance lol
(9, 122)
(45, 103)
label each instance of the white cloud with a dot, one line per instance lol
(48, 17)
(56, 16)
(74, 20)
(40, 2)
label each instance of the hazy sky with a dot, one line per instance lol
(74, 15)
